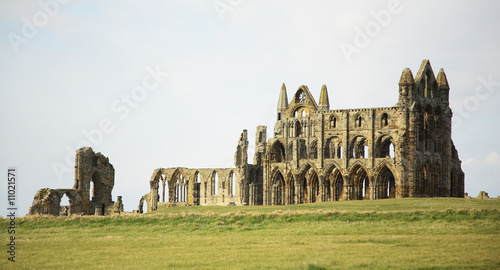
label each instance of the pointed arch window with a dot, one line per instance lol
(333, 122)
(302, 149)
(313, 150)
(358, 121)
(298, 129)
(278, 152)
(384, 120)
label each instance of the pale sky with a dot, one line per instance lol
(71, 70)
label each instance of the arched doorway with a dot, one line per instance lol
(386, 184)
(313, 187)
(278, 189)
(309, 185)
(337, 185)
(361, 187)
(291, 189)
(64, 205)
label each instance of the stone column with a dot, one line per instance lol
(154, 197)
(297, 189)
(273, 195)
(323, 191)
(297, 194)
(286, 200)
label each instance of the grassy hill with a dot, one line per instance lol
(438, 233)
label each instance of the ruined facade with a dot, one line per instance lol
(317, 154)
(241, 185)
(91, 192)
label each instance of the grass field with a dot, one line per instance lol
(438, 233)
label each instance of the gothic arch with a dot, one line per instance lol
(333, 182)
(156, 178)
(308, 184)
(358, 120)
(177, 187)
(359, 186)
(278, 188)
(429, 128)
(290, 183)
(384, 146)
(358, 148)
(313, 150)
(301, 112)
(298, 129)
(333, 148)
(384, 120)
(337, 185)
(301, 145)
(306, 167)
(385, 182)
(332, 122)
(313, 187)
(278, 152)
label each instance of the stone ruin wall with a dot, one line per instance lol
(90, 169)
(318, 154)
(209, 186)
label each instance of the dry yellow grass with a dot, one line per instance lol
(437, 234)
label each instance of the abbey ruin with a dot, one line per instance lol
(317, 154)
(91, 192)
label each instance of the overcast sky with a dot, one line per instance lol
(75, 73)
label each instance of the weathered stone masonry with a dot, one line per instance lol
(241, 185)
(90, 169)
(317, 154)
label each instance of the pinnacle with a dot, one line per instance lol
(441, 80)
(406, 76)
(324, 103)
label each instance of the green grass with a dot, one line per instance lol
(438, 233)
